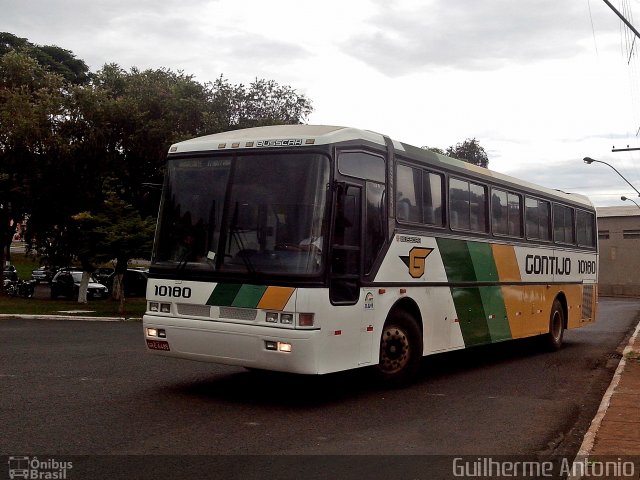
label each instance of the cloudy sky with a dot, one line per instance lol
(540, 83)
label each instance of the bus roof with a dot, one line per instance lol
(278, 136)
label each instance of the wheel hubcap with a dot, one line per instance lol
(394, 350)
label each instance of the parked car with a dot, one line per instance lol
(101, 274)
(135, 282)
(44, 274)
(66, 283)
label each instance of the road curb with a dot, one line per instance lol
(7, 316)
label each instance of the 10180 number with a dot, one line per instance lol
(177, 292)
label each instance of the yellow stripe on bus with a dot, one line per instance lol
(275, 298)
(506, 263)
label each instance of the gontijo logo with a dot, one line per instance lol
(416, 261)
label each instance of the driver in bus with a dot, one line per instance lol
(314, 242)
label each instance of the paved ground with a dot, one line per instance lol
(77, 388)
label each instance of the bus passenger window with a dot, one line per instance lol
(468, 205)
(563, 228)
(499, 212)
(478, 200)
(538, 214)
(515, 214)
(585, 228)
(505, 213)
(459, 204)
(432, 199)
(409, 183)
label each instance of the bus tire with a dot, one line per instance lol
(553, 339)
(400, 350)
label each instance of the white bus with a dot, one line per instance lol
(316, 249)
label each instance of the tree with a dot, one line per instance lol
(264, 102)
(65, 132)
(54, 59)
(31, 107)
(469, 151)
(435, 150)
(117, 232)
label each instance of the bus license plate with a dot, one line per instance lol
(158, 345)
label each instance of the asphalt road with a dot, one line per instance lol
(74, 388)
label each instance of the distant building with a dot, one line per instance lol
(619, 238)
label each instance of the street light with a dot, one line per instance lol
(589, 161)
(623, 198)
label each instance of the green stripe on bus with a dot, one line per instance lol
(481, 310)
(249, 296)
(492, 300)
(496, 313)
(224, 294)
(457, 260)
(483, 263)
(471, 316)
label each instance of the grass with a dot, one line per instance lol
(24, 264)
(133, 307)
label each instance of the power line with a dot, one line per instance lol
(622, 17)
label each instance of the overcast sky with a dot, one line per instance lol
(540, 83)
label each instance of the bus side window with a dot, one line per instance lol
(409, 184)
(585, 229)
(432, 198)
(538, 219)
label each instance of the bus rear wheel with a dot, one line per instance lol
(553, 339)
(400, 350)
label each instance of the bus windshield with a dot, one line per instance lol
(256, 214)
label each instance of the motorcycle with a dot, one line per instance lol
(22, 288)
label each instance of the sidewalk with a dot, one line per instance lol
(615, 430)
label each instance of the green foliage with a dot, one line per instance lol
(435, 150)
(469, 151)
(54, 59)
(264, 102)
(66, 134)
(121, 232)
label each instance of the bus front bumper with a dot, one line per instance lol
(251, 346)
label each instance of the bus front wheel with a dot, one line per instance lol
(553, 339)
(400, 350)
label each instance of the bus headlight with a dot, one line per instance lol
(154, 306)
(286, 318)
